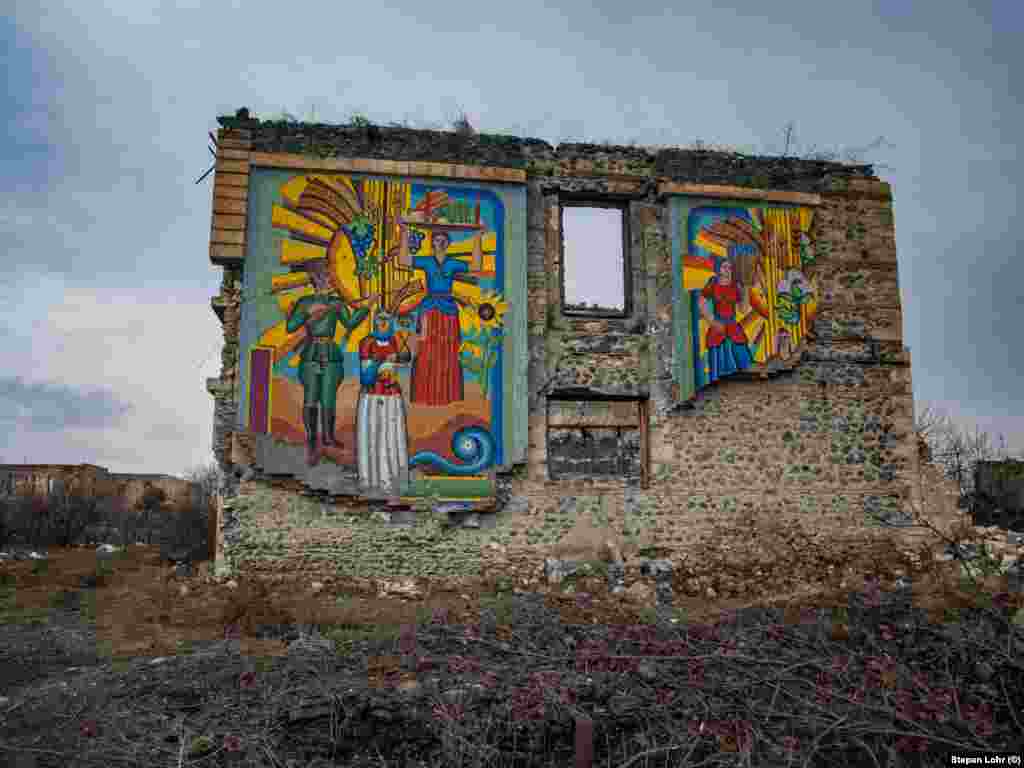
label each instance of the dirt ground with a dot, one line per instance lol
(130, 665)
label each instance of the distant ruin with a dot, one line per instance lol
(91, 480)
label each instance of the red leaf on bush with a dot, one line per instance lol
(407, 639)
(790, 743)
(584, 746)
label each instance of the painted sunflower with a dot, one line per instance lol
(490, 312)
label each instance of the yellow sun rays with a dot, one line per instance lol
(312, 212)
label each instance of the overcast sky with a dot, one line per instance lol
(105, 283)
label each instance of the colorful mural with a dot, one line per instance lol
(746, 287)
(386, 351)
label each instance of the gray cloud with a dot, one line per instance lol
(109, 104)
(166, 433)
(51, 407)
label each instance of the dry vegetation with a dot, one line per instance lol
(123, 662)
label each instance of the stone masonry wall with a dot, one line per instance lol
(824, 446)
(227, 304)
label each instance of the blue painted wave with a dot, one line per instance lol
(473, 445)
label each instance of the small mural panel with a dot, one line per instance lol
(261, 360)
(387, 329)
(746, 288)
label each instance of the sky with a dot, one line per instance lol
(105, 284)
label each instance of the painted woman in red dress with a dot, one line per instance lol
(728, 347)
(382, 451)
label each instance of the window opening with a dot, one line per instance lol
(594, 275)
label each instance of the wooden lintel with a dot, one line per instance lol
(238, 194)
(228, 153)
(227, 236)
(386, 167)
(228, 143)
(233, 166)
(227, 204)
(221, 252)
(737, 193)
(228, 221)
(221, 179)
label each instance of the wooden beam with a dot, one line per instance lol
(233, 166)
(221, 192)
(227, 204)
(227, 221)
(228, 236)
(574, 414)
(386, 167)
(226, 252)
(737, 193)
(228, 143)
(230, 153)
(221, 179)
(645, 444)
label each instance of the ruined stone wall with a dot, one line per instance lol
(181, 494)
(824, 444)
(226, 304)
(35, 479)
(112, 491)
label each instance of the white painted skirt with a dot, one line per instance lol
(382, 450)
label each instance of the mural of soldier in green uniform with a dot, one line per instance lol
(321, 367)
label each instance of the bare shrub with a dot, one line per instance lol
(208, 480)
(462, 126)
(58, 519)
(186, 532)
(955, 450)
(24, 521)
(66, 517)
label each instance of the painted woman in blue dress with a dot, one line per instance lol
(436, 377)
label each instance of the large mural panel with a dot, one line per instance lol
(745, 287)
(382, 348)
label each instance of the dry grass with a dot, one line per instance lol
(836, 672)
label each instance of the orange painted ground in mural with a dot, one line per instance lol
(429, 428)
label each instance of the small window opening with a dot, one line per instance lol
(597, 438)
(593, 259)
